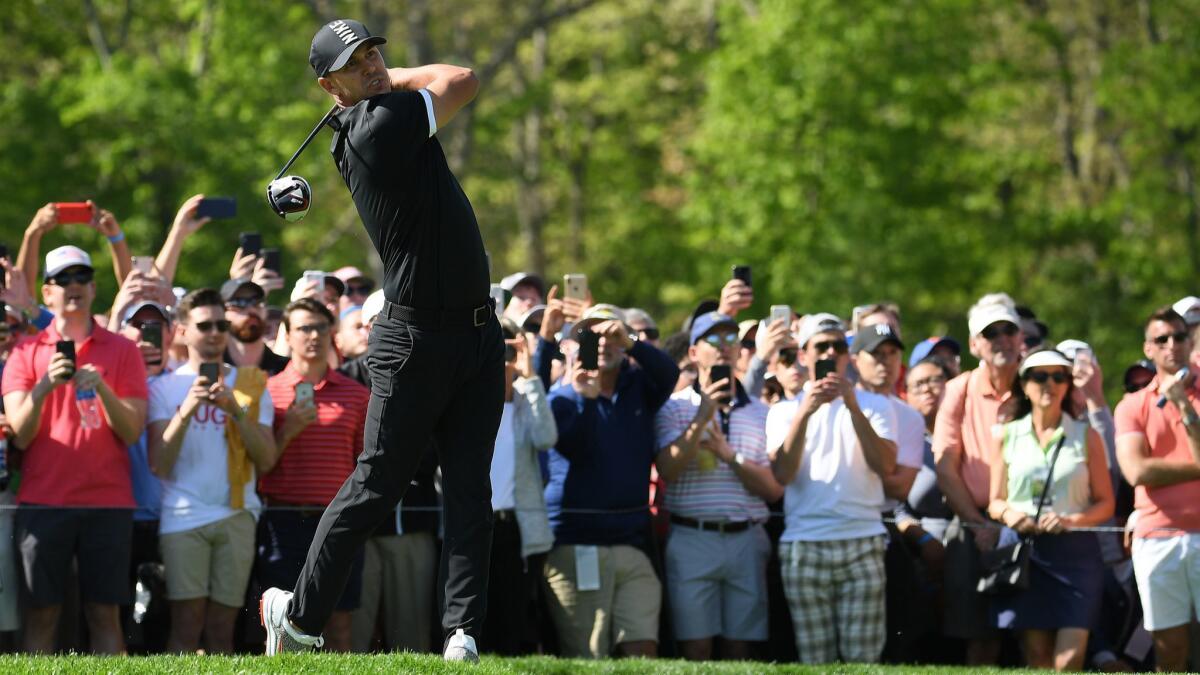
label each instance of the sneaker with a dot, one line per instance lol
(282, 636)
(461, 647)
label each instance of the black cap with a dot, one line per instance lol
(335, 42)
(869, 338)
(231, 287)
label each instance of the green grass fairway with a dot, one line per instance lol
(410, 663)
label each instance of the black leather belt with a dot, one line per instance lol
(505, 516)
(441, 318)
(721, 526)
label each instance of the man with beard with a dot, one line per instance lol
(247, 315)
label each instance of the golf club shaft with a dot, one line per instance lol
(311, 135)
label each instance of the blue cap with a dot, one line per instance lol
(704, 324)
(925, 347)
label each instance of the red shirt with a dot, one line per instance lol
(1168, 506)
(315, 464)
(65, 464)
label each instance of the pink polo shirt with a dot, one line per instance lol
(969, 422)
(67, 465)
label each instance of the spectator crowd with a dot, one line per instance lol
(808, 486)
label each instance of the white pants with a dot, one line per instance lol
(1168, 578)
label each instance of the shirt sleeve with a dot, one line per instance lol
(910, 442)
(1128, 419)
(947, 429)
(779, 420)
(160, 407)
(882, 419)
(266, 409)
(19, 373)
(401, 121)
(666, 424)
(131, 381)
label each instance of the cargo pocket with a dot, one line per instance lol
(389, 348)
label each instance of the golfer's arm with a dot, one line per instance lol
(450, 87)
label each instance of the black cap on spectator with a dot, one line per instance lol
(136, 307)
(869, 338)
(231, 287)
(335, 42)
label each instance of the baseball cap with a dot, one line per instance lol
(335, 42)
(925, 347)
(983, 316)
(818, 323)
(597, 314)
(513, 280)
(747, 329)
(704, 307)
(66, 256)
(1141, 368)
(870, 338)
(372, 306)
(1072, 347)
(532, 320)
(705, 323)
(231, 287)
(136, 307)
(349, 273)
(640, 315)
(1044, 357)
(1189, 309)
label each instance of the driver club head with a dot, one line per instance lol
(290, 197)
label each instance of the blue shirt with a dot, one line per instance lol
(604, 452)
(147, 490)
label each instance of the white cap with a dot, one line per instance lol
(66, 256)
(983, 316)
(1189, 309)
(1045, 357)
(820, 322)
(372, 306)
(1070, 348)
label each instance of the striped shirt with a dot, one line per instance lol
(708, 489)
(314, 465)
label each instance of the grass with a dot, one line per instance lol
(424, 663)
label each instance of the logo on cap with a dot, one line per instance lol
(345, 32)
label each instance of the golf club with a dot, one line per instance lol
(291, 196)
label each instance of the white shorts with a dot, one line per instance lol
(1168, 578)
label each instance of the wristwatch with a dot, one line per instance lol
(739, 458)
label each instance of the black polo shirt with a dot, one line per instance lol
(414, 210)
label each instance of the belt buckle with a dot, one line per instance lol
(475, 316)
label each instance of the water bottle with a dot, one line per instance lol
(89, 408)
(3, 462)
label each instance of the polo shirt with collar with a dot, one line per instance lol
(835, 494)
(65, 464)
(970, 423)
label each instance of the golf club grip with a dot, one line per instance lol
(311, 135)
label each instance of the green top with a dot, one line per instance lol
(1029, 465)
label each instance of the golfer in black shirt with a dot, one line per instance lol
(436, 353)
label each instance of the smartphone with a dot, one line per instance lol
(742, 272)
(720, 372)
(211, 372)
(304, 393)
(271, 260)
(152, 332)
(143, 263)
(497, 293)
(67, 348)
(217, 207)
(589, 350)
(576, 286)
(73, 212)
(317, 277)
(780, 313)
(824, 367)
(250, 243)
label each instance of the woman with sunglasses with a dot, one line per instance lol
(1066, 569)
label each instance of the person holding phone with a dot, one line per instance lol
(68, 466)
(209, 437)
(713, 457)
(47, 218)
(602, 460)
(436, 348)
(831, 447)
(245, 307)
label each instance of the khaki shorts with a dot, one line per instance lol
(212, 561)
(624, 609)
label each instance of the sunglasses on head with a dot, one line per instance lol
(1162, 340)
(359, 289)
(997, 329)
(839, 346)
(719, 340)
(220, 325)
(1042, 377)
(68, 277)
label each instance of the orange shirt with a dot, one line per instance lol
(1170, 506)
(969, 422)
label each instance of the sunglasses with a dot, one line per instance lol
(997, 329)
(928, 383)
(1042, 377)
(244, 302)
(1179, 337)
(839, 346)
(788, 356)
(720, 340)
(220, 325)
(318, 328)
(66, 278)
(359, 289)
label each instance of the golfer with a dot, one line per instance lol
(436, 351)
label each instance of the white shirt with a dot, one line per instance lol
(504, 463)
(196, 492)
(835, 494)
(910, 439)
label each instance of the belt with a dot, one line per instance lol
(441, 318)
(302, 510)
(504, 515)
(724, 527)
